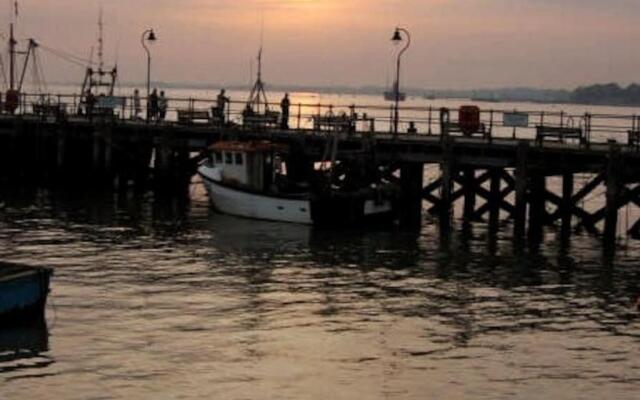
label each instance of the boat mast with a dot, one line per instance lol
(12, 59)
(100, 48)
(258, 93)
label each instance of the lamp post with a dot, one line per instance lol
(397, 39)
(150, 37)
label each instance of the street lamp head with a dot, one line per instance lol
(151, 38)
(397, 37)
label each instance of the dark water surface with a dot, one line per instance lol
(165, 299)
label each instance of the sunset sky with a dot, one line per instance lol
(456, 43)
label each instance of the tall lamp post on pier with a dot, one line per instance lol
(149, 37)
(397, 40)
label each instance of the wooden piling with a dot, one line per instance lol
(567, 204)
(446, 167)
(469, 177)
(537, 211)
(60, 149)
(411, 181)
(613, 183)
(494, 198)
(520, 215)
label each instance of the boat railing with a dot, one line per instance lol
(355, 119)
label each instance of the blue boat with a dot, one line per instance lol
(23, 292)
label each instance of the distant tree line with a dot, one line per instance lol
(607, 94)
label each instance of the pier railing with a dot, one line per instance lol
(489, 124)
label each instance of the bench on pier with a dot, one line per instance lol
(559, 133)
(454, 127)
(634, 138)
(56, 110)
(193, 116)
(268, 119)
(339, 123)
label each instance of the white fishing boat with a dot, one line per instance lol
(249, 179)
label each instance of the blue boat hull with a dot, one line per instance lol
(23, 292)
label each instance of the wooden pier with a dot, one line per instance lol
(488, 176)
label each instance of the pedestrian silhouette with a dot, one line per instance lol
(90, 101)
(152, 109)
(412, 128)
(163, 104)
(221, 104)
(137, 108)
(284, 106)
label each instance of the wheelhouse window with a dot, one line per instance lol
(218, 157)
(239, 159)
(228, 158)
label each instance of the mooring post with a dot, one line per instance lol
(567, 204)
(521, 177)
(411, 180)
(469, 176)
(613, 194)
(494, 198)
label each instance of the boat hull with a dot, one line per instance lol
(324, 211)
(250, 205)
(23, 292)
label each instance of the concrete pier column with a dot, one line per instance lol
(411, 181)
(613, 194)
(521, 177)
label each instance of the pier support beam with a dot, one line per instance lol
(411, 181)
(521, 185)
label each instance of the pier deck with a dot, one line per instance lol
(501, 174)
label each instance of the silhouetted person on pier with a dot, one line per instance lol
(137, 108)
(152, 107)
(90, 101)
(163, 104)
(412, 128)
(221, 104)
(284, 106)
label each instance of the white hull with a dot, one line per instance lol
(250, 205)
(232, 201)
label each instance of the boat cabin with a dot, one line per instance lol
(251, 165)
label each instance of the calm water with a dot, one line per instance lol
(160, 298)
(166, 299)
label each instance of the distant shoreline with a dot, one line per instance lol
(609, 95)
